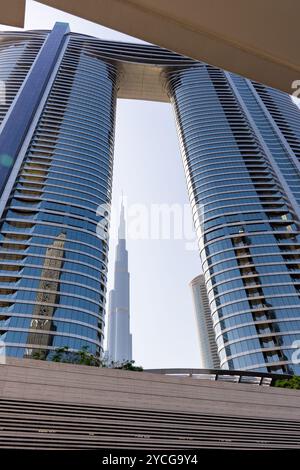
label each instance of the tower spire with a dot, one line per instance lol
(119, 336)
(122, 224)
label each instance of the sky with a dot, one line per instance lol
(148, 170)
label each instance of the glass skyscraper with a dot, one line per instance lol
(207, 340)
(53, 265)
(240, 143)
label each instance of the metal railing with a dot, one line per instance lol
(236, 376)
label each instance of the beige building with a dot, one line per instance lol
(206, 335)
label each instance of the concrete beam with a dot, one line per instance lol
(12, 12)
(255, 39)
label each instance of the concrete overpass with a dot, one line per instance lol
(254, 38)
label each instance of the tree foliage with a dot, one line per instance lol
(294, 382)
(127, 365)
(82, 357)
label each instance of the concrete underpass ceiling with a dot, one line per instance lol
(258, 39)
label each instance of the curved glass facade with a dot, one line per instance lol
(17, 54)
(53, 266)
(238, 171)
(240, 143)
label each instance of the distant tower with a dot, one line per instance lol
(207, 341)
(119, 336)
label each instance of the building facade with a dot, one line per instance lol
(207, 342)
(53, 265)
(240, 144)
(119, 346)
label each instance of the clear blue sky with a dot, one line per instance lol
(148, 168)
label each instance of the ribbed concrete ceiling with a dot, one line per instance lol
(255, 38)
(12, 12)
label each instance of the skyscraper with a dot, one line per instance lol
(119, 336)
(207, 341)
(240, 144)
(56, 145)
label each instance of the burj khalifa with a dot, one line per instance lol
(119, 336)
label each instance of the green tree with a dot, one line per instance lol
(40, 355)
(127, 365)
(294, 383)
(82, 357)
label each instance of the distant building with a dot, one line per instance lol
(119, 336)
(207, 341)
